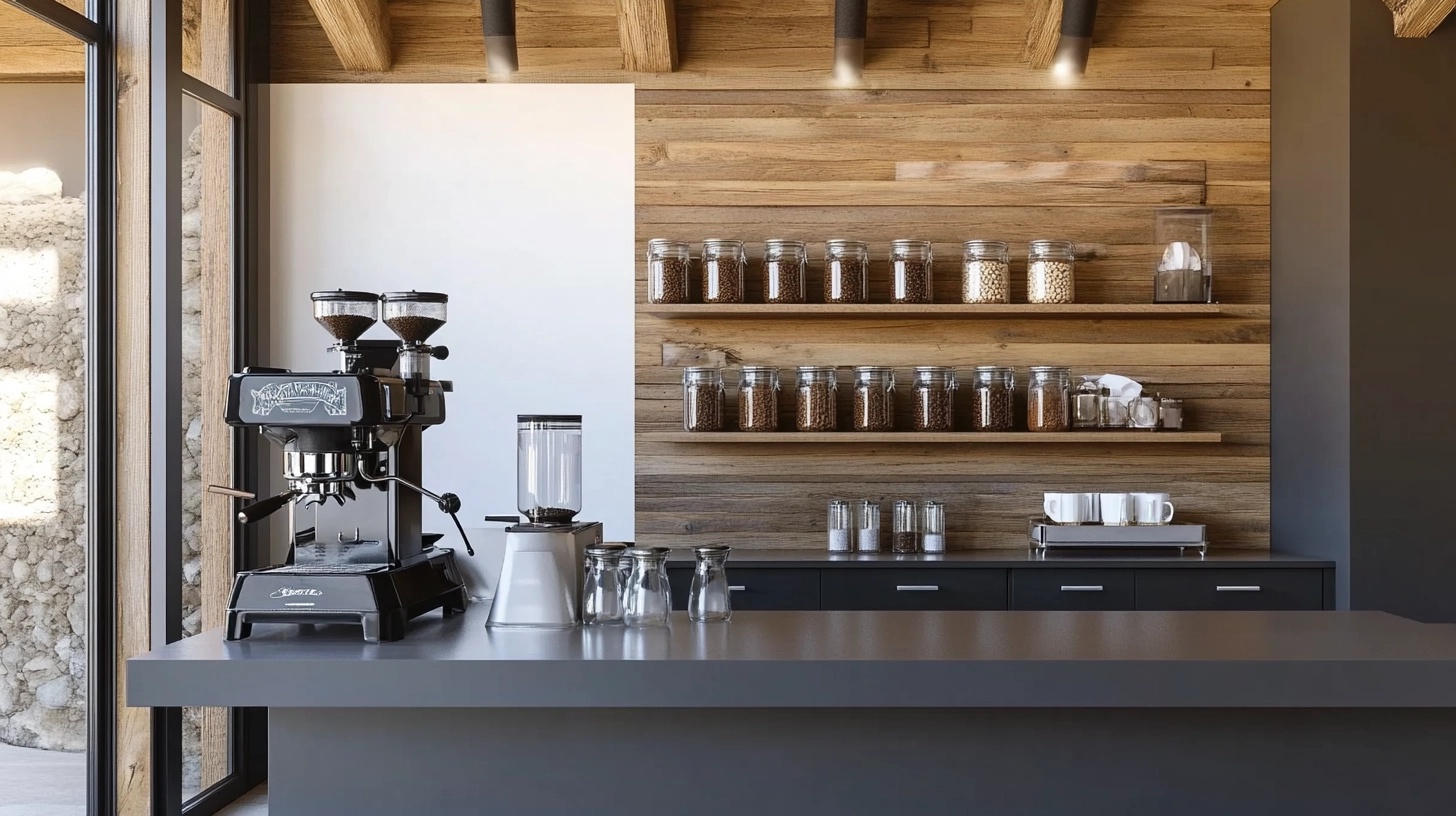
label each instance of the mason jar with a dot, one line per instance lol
(986, 272)
(846, 271)
(758, 399)
(723, 262)
(1050, 272)
(784, 264)
(702, 398)
(874, 398)
(1047, 399)
(667, 271)
(993, 398)
(934, 398)
(817, 405)
(911, 272)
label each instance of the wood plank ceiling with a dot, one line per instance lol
(950, 136)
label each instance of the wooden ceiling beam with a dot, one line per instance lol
(648, 30)
(1043, 31)
(1418, 18)
(359, 32)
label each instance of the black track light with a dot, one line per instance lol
(850, 22)
(1078, 19)
(498, 20)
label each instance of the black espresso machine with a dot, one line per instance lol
(351, 463)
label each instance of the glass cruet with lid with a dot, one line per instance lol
(709, 598)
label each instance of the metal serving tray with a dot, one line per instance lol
(1046, 535)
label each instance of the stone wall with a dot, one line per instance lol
(191, 431)
(42, 463)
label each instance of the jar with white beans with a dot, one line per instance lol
(1050, 272)
(986, 273)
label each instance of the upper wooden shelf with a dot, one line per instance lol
(682, 311)
(955, 437)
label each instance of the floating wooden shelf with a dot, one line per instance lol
(957, 437)
(881, 311)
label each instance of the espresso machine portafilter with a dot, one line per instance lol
(352, 461)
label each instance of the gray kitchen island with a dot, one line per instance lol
(846, 713)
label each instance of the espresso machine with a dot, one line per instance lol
(545, 556)
(352, 464)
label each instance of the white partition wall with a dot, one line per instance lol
(517, 201)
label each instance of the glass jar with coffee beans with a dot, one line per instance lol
(702, 398)
(1050, 268)
(911, 272)
(667, 271)
(993, 398)
(723, 262)
(874, 398)
(784, 264)
(905, 532)
(817, 406)
(934, 398)
(986, 272)
(758, 399)
(846, 271)
(1047, 399)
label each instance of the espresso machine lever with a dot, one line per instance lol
(449, 503)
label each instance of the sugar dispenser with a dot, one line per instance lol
(709, 599)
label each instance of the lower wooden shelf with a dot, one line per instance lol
(956, 437)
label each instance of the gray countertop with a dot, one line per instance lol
(1113, 559)
(829, 659)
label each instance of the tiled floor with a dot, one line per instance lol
(43, 783)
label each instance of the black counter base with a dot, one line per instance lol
(775, 762)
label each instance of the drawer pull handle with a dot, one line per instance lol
(917, 588)
(1087, 588)
(737, 588)
(1238, 588)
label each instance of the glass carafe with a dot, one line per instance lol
(548, 467)
(649, 600)
(709, 599)
(602, 598)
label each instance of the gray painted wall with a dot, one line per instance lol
(1364, 284)
(45, 126)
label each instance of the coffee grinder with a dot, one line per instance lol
(352, 464)
(544, 566)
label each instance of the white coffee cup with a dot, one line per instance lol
(1071, 508)
(1118, 509)
(1153, 508)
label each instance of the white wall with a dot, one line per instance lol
(517, 201)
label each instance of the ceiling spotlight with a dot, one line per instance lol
(850, 22)
(1078, 18)
(498, 21)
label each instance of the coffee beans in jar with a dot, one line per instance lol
(934, 398)
(905, 529)
(1050, 268)
(986, 273)
(758, 399)
(911, 272)
(784, 264)
(667, 271)
(723, 263)
(1048, 399)
(702, 399)
(993, 398)
(874, 398)
(846, 271)
(817, 404)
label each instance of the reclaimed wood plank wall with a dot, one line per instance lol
(950, 137)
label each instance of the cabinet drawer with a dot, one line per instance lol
(1212, 589)
(753, 588)
(1055, 589)
(913, 589)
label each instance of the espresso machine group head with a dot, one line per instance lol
(351, 468)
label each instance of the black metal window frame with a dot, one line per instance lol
(247, 107)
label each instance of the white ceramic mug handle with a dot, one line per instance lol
(1168, 506)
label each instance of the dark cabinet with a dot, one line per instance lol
(1071, 589)
(912, 589)
(756, 588)
(1231, 589)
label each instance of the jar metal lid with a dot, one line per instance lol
(844, 242)
(722, 242)
(606, 549)
(933, 369)
(995, 369)
(873, 369)
(979, 244)
(1050, 369)
(909, 242)
(344, 295)
(1051, 243)
(666, 243)
(712, 549)
(815, 369)
(700, 369)
(525, 419)
(414, 297)
(758, 369)
(650, 553)
(783, 242)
